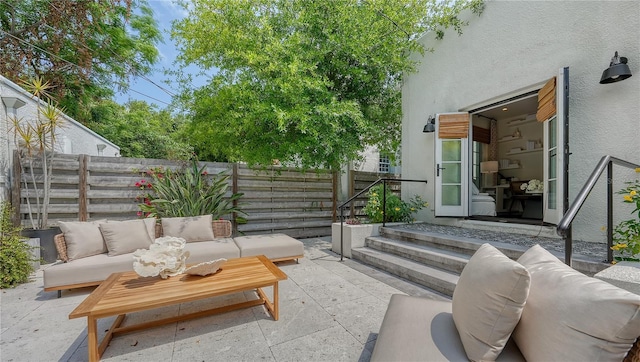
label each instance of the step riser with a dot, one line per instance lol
(438, 261)
(436, 284)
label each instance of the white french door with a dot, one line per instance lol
(554, 152)
(451, 173)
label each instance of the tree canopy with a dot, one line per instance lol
(309, 83)
(82, 48)
(141, 130)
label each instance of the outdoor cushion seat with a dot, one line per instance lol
(280, 246)
(203, 251)
(421, 329)
(95, 268)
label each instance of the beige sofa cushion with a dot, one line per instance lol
(191, 229)
(273, 246)
(571, 317)
(422, 329)
(83, 238)
(488, 301)
(123, 237)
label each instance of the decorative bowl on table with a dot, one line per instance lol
(206, 268)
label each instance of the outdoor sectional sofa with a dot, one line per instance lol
(91, 251)
(534, 309)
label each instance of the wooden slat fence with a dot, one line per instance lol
(358, 181)
(277, 199)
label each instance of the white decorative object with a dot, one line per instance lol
(206, 268)
(165, 257)
(533, 186)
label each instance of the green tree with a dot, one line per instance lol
(304, 82)
(140, 129)
(80, 47)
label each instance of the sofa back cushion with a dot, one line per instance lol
(192, 229)
(572, 317)
(83, 238)
(123, 237)
(488, 301)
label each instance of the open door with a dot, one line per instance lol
(452, 166)
(555, 146)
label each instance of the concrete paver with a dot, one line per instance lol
(329, 311)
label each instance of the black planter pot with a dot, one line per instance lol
(48, 250)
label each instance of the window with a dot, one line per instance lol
(476, 158)
(384, 165)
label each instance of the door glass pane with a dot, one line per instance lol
(451, 195)
(552, 194)
(451, 173)
(553, 137)
(553, 159)
(451, 150)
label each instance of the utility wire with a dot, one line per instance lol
(70, 63)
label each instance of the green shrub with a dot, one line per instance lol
(626, 235)
(189, 191)
(15, 253)
(397, 210)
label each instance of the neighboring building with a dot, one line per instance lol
(72, 137)
(375, 161)
(483, 87)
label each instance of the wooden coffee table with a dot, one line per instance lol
(124, 293)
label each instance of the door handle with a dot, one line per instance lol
(438, 168)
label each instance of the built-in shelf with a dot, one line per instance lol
(510, 167)
(523, 151)
(509, 138)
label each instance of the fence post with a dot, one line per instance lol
(234, 190)
(15, 188)
(352, 191)
(334, 196)
(83, 161)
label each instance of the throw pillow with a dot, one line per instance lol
(123, 237)
(196, 228)
(83, 238)
(150, 224)
(572, 317)
(488, 302)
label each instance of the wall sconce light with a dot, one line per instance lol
(101, 147)
(618, 70)
(430, 127)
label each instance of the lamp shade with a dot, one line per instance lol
(489, 167)
(618, 70)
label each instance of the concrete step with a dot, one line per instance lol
(428, 255)
(434, 278)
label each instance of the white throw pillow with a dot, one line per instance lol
(196, 228)
(123, 237)
(488, 302)
(572, 317)
(83, 238)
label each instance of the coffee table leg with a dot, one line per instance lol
(275, 301)
(92, 335)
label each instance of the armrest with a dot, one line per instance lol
(61, 247)
(221, 228)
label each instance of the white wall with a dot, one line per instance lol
(72, 137)
(515, 45)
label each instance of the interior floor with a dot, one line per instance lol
(509, 220)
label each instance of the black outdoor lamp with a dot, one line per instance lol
(618, 70)
(430, 126)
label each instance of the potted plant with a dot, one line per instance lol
(190, 191)
(35, 140)
(396, 211)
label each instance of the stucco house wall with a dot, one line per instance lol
(515, 45)
(72, 137)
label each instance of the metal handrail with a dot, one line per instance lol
(384, 205)
(564, 226)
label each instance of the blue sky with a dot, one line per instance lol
(165, 11)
